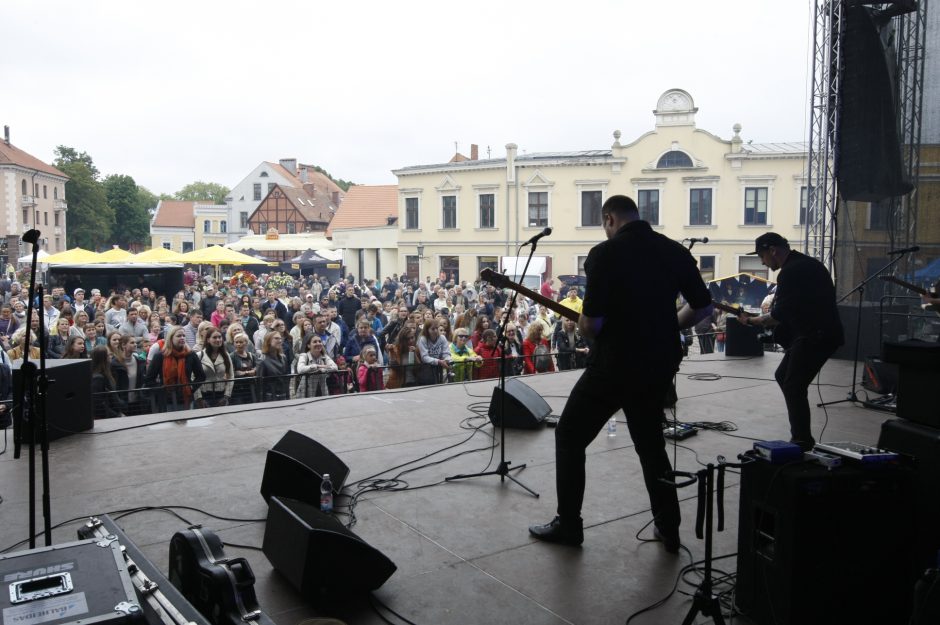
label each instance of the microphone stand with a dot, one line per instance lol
(503, 469)
(860, 287)
(30, 419)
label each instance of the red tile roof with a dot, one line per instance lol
(175, 214)
(12, 155)
(367, 206)
(313, 177)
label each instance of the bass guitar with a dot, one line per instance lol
(777, 334)
(502, 282)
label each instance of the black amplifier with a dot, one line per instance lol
(79, 582)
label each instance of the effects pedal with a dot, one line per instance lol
(866, 454)
(679, 431)
(830, 461)
(778, 452)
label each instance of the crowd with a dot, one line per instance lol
(272, 337)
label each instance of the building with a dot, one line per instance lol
(245, 196)
(462, 216)
(292, 210)
(366, 228)
(32, 195)
(183, 226)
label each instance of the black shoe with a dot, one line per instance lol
(558, 531)
(670, 540)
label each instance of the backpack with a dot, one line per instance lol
(541, 358)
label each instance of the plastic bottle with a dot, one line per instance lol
(611, 427)
(326, 494)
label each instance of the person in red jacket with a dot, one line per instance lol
(540, 362)
(489, 351)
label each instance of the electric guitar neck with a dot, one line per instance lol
(502, 282)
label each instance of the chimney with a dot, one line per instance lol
(290, 164)
(310, 189)
(303, 174)
(511, 162)
(474, 152)
(6, 134)
(335, 198)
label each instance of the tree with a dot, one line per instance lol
(131, 210)
(203, 192)
(342, 184)
(89, 217)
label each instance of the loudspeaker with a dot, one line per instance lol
(314, 551)
(68, 397)
(295, 466)
(918, 371)
(876, 327)
(879, 376)
(524, 407)
(813, 543)
(742, 340)
(923, 443)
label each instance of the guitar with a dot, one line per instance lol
(734, 310)
(916, 289)
(502, 282)
(778, 334)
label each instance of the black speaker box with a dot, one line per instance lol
(68, 398)
(295, 467)
(879, 376)
(923, 443)
(918, 371)
(818, 546)
(742, 340)
(315, 552)
(524, 408)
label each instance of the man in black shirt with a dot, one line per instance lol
(806, 323)
(629, 311)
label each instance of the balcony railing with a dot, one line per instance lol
(60, 205)
(28, 200)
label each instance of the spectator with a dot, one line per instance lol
(19, 313)
(217, 366)
(175, 372)
(321, 326)
(191, 329)
(201, 333)
(434, 354)
(514, 351)
(128, 370)
(208, 304)
(217, 315)
(105, 401)
(402, 357)
(490, 352)
(75, 348)
(274, 369)
(50, 313)
(369, 373)
(115, 315)
(8, 325)
(92, 339)
(266, 323)
(180, 313)
(363, 337)
(287, 345)
(19, 340)
(78, 324)
(274, 304)
(248, 320)
(313, 365)
(132, 325)
(156, 329)
(571, 347)
(573, 302)
(538, 357)
(58, 339)
(347, 307)
(244, 366)
(463, 357)
(483, 324)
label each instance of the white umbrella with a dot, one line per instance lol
(25, 260)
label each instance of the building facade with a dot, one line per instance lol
(291, 210)
(183, 226)
(366, 228)
(32, 195)
(460, 217)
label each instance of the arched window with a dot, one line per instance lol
(264, 174)
(24, 193)
(674, 158)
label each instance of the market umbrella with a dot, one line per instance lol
(158, 255)
(218, 255)
(74, 256)
(41, 257)
(114, 255)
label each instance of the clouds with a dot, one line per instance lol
(172, 92)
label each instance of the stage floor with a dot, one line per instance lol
(463, 552)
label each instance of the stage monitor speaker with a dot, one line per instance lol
(813, 544)
(68, 397)
(525, 408)
(295, 466)
(918, 371)
(879, 376)
(742, 340)
(315, 552)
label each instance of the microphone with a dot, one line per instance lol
(535, 239)
(906, 250)
(31, 236)
(702, 240)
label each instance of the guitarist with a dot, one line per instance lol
(806, 324)
(633, 279)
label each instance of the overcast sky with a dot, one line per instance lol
(171, 92)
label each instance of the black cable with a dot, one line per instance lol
(373, 600)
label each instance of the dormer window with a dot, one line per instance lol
(674, 158)
(264, 174)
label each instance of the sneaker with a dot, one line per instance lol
(670, 540)
(558, 531)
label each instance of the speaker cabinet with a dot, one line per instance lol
(524, 408)
(295, 466)
(742, 340)
(316, 552)
(68, 398)
(820, 546)
(879, 376)
(918, 371)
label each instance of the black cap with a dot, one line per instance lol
(766, 241)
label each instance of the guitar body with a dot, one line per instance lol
(502, 282)
(221, 588)
(782, 335)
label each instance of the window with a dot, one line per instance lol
(753, 266)
(700, 207)
(804, 204)
(58, 244)
(449, 216)
(167, 245)
(44, 196)
(487, 210)
(450, 267)
(36, 190)
(271, 185)
(45, 218)
(187, 246)
(487, 262)
(648, 203)
(257, 195)
(411, 213)
(879, 215)
(755, 206)
(25, 192)
(55, 193)
(37, 218)
(591, 202)
(291, 227)
(207, 226)
(581, 261)
(243, 219)
(706, 267)
(674, 158)
(538, 209)
(263, 228)
(55, 219)
(223, 226)
(25, 218)
(264, 174)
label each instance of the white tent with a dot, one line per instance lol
(25, 260)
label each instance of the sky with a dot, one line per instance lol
(174, 92)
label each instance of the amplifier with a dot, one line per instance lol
(79, 582)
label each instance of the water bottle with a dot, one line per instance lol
(611, 427)
(326, 494)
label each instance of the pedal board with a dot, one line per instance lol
(679, 431)
(865, 454)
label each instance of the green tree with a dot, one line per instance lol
(130, 204)
(342, 184)
(203, 192)
(89, 218)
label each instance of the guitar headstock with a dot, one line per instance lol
(495, 278)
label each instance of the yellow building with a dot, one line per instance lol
(183, 226)
(469, 213)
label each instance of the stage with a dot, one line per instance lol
(463, 552)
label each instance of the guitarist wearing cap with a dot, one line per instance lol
(805, 321)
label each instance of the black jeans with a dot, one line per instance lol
(596, 396)
(800, 365)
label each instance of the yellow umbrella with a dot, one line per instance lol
(114, 255)
(158, 255)
(218, 255)
(74, 256)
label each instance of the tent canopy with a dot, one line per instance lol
(158, 255)
(71, 257)
(283, 243)
(218, 255)
(41, 256)
(114, 255)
